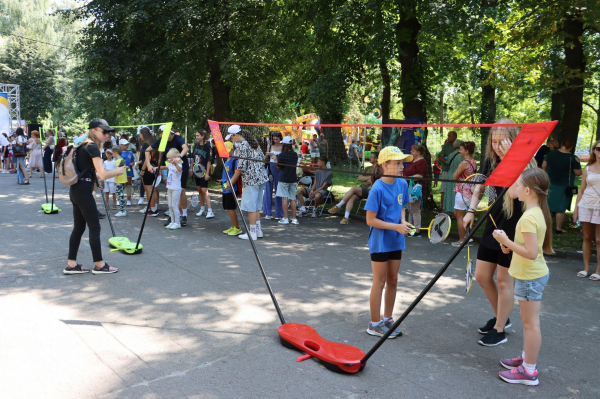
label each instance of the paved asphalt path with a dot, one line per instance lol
(190, 317)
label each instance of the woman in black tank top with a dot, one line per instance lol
(85, 212)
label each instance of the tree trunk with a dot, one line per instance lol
(220, 93)
(575, 62)
(488, 92)
(335, 138)
(557, 109)
(386, 98)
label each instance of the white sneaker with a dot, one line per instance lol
(140, 201)
(118, 202)
(202, 212)
(259, 234)
(143, 210)
(121, 214)
(295, 221)
(128, 203)
(245, 236)
(174, 226)
(284, 221)
(314, 214)
(210, 215)
(168, 226)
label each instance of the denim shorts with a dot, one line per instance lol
(287, 190)
(252, 198)
(530, 290)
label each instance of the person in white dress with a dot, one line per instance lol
(587, 211)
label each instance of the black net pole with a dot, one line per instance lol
(433, 280)
(157, 173)
(53, 184)
(45, 185)
(107, 211)
(262, 270)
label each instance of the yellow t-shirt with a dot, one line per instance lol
(532, 221)
(120, 179)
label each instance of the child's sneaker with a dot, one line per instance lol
(397, 332)
(259, 234)
(128, 203)
(174, 226)
(301, 213)
(334, 209)
(493, 338)
(228, 230)
(378, 329)
(143, 210)
(519, 376)
(512, 363)
(295, 221)
(202, 212)
(245, 236)
(140, 201)
(152, 213)
(168, 226)
(121, 214)
(210, 215)
(235, 231)
(314, 213)
(344, 221)
(284, 221)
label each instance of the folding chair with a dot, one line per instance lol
(359, 204)
(326, 198)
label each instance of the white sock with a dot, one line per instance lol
(341, 203)
(530, 368)
(346, 215)
(377, 324)
(253, 229)
(303, 209)
(210, 209)
(154, 208)
(184, 212)
(523, 355)
(387, 319)
(202, 208)
(258, 226)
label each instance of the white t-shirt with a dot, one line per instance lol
(173, 177)
(113, 140)
(110, 165)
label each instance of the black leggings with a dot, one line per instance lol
(48, 160)
(84, 212)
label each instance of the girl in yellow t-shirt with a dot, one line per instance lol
(529, 269)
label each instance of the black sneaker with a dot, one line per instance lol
(493, 338)
(106, 269)
(152, 213)
(183, 220)
(75, 270)
(489, 326)
(101, 215)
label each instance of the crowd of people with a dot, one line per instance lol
(512, 247)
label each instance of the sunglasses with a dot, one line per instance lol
(597, 149)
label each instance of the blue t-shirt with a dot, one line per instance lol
(387, 201)
(229, 169)
(128, 158)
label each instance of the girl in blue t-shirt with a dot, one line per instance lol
(386, 218)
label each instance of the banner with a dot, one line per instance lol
(218, 138)
(4, 114)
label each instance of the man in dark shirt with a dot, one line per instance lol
(174, 141)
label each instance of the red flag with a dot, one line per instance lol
(218, 138)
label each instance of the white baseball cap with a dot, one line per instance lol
(123, 142)
(233, 129)
(287, 140)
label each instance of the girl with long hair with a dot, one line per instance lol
(533, 238)
(465, 169)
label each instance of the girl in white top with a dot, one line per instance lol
(273, 152)
(109, 184)
(174, 186)
(587, 211)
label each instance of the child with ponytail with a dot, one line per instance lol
(529, 270)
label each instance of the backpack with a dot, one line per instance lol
(67, 166)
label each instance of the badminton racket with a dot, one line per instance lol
(199, 170)
(438, 229)
(194, 200)
(476, 195)
(470, 272)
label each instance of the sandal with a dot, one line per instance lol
(595, 277)
(456, 243)
(582, 274)
(106, 269)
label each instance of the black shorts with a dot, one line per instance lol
(385, 256)
(147, 178)
(201, 182)
(184, 177)
(493, 256)
(229, 201)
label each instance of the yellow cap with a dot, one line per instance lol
(229, 145)
(392, 153)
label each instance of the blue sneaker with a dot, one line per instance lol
(397, 332)
(378, 329)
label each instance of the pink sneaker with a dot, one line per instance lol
(519, 376)
(511, 363)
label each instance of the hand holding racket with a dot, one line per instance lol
(404, 228)
(477, 196)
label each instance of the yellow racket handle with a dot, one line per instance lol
(493, 221)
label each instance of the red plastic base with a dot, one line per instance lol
(336, 357)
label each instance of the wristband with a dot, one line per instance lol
(471, 211)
